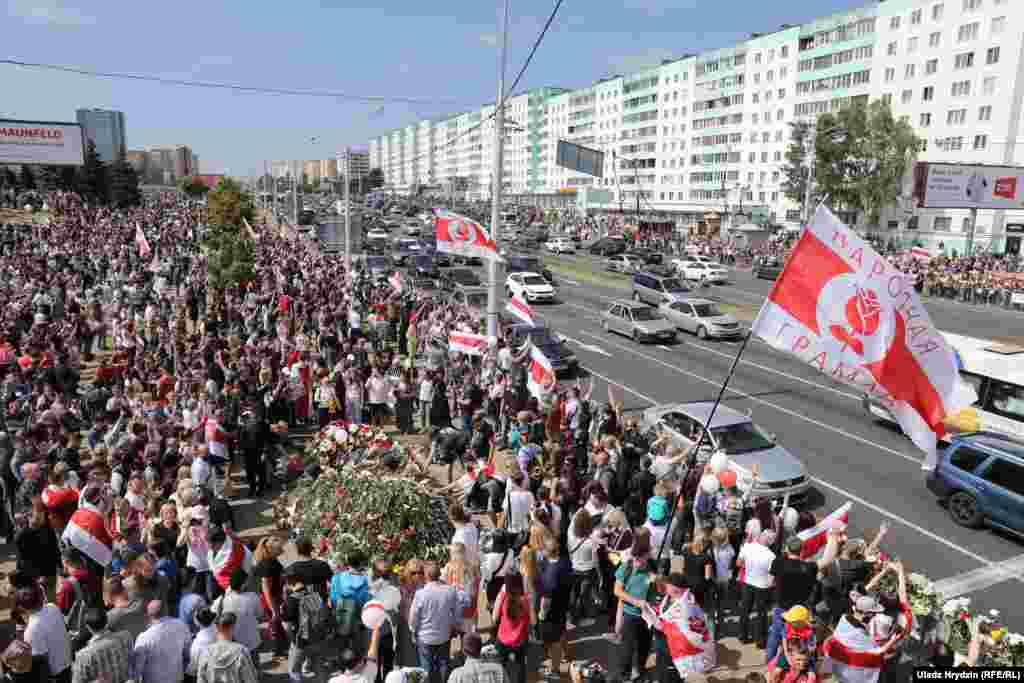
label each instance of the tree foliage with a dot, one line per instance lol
(231, 259)
(193, 187)
(227, 205)
(124, 185)
(862, 154)
(92, 176)
(794, 186)
(374, 179)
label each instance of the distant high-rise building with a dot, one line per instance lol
(105, 129)
(167, 165)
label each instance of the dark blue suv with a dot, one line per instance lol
(980, 478)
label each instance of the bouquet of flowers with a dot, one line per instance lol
(343, 443)
(958, 622)
(350, 510)
(924, 599)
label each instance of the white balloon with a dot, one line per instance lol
(790, 518)
(709, 484)
(719, 461)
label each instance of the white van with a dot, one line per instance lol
(996, 371)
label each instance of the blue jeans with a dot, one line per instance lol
(434, 659)
(776, 632)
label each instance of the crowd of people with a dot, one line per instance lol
(131, 388)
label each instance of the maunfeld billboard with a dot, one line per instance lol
(41, 142)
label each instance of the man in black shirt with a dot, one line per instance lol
(795, 580)
(315, 573)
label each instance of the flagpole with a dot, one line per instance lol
(692, 460)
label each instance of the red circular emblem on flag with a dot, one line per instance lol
(863, 312)
(463, 232)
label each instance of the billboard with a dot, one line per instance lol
(41, 142)
(580, 159)
(968, 186)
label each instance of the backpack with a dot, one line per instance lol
(705, 507)
(75, 618)
(537, 432)
(314, 619)
(348, 616)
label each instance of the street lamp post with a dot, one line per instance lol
(499, 170)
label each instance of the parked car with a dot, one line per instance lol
(561, 245)
(980, 479)
(638, 321)
(701, 272)
(455, 277)
(530, 287)
(622, 263)
(377, 234)
(648, 256)
(424, 266)
(528, 264)
(767, 268)
(702, 318)
(656, 289)
(735, 434)
(607, 246)
(563, 360)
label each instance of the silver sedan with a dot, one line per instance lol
(702, 318)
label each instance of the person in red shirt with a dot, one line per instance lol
(164, 385)
(60, 500)
(78, 573)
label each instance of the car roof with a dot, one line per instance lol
(699, 411)
(694, 301)
(628, 304)
(525, 273)
(999, 442)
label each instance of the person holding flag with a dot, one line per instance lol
(683, 643)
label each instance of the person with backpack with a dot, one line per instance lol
(309, 623)
(350, 590)
(246, 607)
(79, 591)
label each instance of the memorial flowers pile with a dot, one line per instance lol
(342, 443)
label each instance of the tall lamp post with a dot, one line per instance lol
(499, 175)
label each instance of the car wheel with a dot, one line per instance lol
(963, 508)
(702, 332)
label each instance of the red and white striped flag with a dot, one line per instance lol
(921, 253)
(814, 539)
(231, 556)
(541, 378)
(396, 282)
(469, 344)
(853, 655)
(520, 309)
(684, 626)
(87, 532)
(141, 242)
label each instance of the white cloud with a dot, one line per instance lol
(625, 64)
(49, 13)
(489, 39)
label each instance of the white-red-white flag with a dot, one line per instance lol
(814, 539)
(141, 242)
(469, 344)
(541, 378)
(847, 312)
(852, 655)
(685, 628)
(396, 282)
(518, 307)
(920, 253)
(461, 236)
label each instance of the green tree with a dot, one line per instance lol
(193, 187)
(27, 181)
(794, 186)
(862, 154)
(374, 179)
(92, 176)
(226, 205)
(124, 190)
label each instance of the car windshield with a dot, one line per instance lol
(744, 437)
(673, 285)
(645, 314)
(534, 281)
(698, 265)
(707, 310)
(477, 300)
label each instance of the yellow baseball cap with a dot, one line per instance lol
(796, 613)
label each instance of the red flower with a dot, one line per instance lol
(964, 616)
(323, 545)
(339, 492)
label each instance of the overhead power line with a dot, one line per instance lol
(508, 91)
(225, 86)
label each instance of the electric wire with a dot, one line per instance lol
(223, 86)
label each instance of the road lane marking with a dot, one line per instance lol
(588, 347)
(787, 411)
(980, 579)
(764, 368)
(846, 494)
(571, 282)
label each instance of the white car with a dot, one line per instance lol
(560, 245)
(701, 272)
(529, 287)
(376, 234)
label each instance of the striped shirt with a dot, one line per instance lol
(107, 656)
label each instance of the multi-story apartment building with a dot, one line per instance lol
(105, 128)
(709, 132)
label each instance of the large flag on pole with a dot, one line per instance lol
(467, 343)
(141, 242)
(464, 237)
(847, 312)
(814, 539)
(541, 378)
(520, 309)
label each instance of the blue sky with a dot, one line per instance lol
(444, 52)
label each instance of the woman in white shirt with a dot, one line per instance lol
(45, 632)
(583, 555)
(466, 532)
(519, 503)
